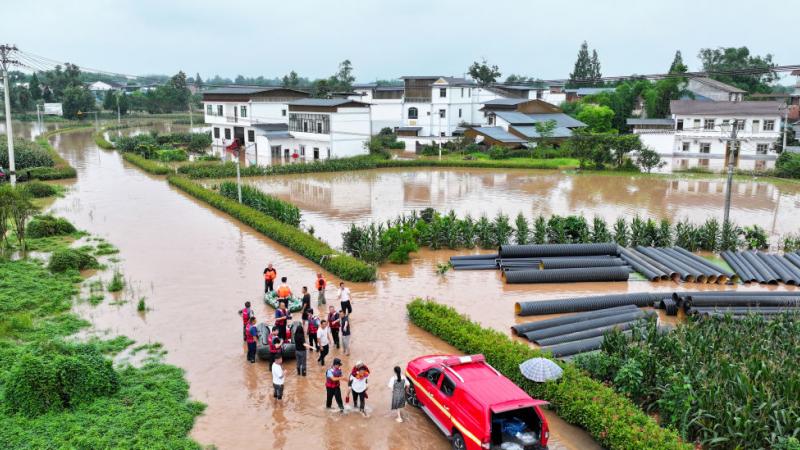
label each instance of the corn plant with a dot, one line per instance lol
(663, 236)
(638, 232)
(709, 235)
(466, 231)
(484, 233)
(540, 230)
(521, 232)
(621, 235)
(556, 230)
(686, 236)
(729, 237)
(576, 229)
(755, 237)
(600, 231)
(502, 229)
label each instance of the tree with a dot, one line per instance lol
(291, 80)
(77, 99)
(677, 65)
(34, 88)
(344, 77)
(512, 79)
(595, 73)
(737, 59)
(321, 88)
(583, 68)
(581, 145)
(659, 94)
(483, 73)
(623, 145)
(47, 95)
(597, 118)
(198, 82)
(545, 130)
(648, 160)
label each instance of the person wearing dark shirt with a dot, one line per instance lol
(275, 346)
(344, 325)
(333, 321)
(299, 340)
(281, 317)
(306, 306)
(313, 326)
(251, 334)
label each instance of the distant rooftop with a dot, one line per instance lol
(325, 102)
(506, 101)
(719, 85)
(499, 134)
(239, 89)
(518, 118)
(590, 90)
(695, 107)
(659, 122)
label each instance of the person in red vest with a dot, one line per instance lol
(333, 321)
(281, 318)
(313, 326)
(321, 285)
(333, 376)
(246, 314)
(275, 346)
(250, 336)
(269, 278)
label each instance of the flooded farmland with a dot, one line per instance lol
(196, 266)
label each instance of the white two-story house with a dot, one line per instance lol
(324, 128)
(699, 132)
(386, 104)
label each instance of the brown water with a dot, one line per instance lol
(196, 266)
(332, 201)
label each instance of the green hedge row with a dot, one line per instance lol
(101, 141)
(154, 167)
(267, 204)
(339, 264)
(61, 169)
(612, 419)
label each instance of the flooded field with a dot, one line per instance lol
(332, 201)
(196, 267)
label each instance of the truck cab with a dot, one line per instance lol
(474, 405)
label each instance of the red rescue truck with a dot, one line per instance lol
(474, 405)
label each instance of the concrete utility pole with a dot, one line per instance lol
(785, 127)
(732, 151)
(119, 120)
(5, 61)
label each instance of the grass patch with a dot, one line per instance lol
(141, 306)
(117, 282)
(612, 419)
(149, 166)
(61, 169)
(101, 141)
(105, 248)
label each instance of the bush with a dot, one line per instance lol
(27, 154)
(613, 420)
(61, 168)
(47, 225)
(499, 152)
(167, 155)
(148, 166)
(71, 259)
(39, 190)
(339, 264)
(788, 165)
(267, 204)
(42, 381)
(397, 145)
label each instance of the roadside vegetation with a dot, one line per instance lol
(395, 239)
(720, 382)
(37, 160)
(267, 204)
(613, 420)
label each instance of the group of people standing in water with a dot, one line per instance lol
(314, 334)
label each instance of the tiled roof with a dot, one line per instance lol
(518, 118)
(531, 133)
(693, 107)
(499, 134)
(719, 85)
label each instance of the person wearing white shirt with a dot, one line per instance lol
(398, 384)
(358, 384)
(277, 378)
(323, 341)
(344, 298)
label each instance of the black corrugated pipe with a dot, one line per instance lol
(650, 272)
(795, 271)
(733, 260)
(585, 334)
(568, 328)
(533, 250)
(685, 273)
(778, 268)
(578, 304)
(620, 273)
(751, 300)
(567, 263)
(763, 272)
(711, 275)
(522, 328)
(682, 296)
(576, 347)
(744, 310)
(669, 305)
(487, 256)
(757, 276)
(476, 267)
(702, 261)
(672, 273)
(794, 258)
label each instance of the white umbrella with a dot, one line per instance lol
(540, 370)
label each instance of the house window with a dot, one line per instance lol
(227, 133)
(303, 150)
(305, 126)
(761, 149)
(462, 92)
(283, 112)
(725, 123)
(459, 113)
(740, 125)
(243, 111)
(769, 125)
(442, 92)
(469, 92)
(220, 110)
(442, 134)
(696, 124)
(209, 110)
(705, 147)
(316, 153)
(679, 125)
(319, 127)
(756, 124)
(441, 113)
(309, 123)
(413, 113)
(216, 132)
(490, 120)
(251, 135)
(686, 146)
(709, 124)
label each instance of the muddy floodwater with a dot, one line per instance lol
(332, 201)
(196, 266)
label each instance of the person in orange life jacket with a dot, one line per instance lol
(250, 336)
(313, 326)
(283, 290)
(275, 346)
(333, 376)
(281, 317)
(269, 278)
(321, 285)
(333, 320)
(306, 305)
(344, 298)
(323, 341)
(246, 314)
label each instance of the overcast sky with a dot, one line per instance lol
(388, 39)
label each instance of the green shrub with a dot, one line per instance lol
(788, 165)
(148, 166)
(47, 225)
(397, 145)
(167, 155)
(267, 204)
(45, 380)
(499, 152)
(613, 420)
(38, 189)
(71, 259)
(339, 264)
(755, 237)
(117, 282)
(61, 168)
(27, 154)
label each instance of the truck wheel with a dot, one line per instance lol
(458, 441)
(411, 397)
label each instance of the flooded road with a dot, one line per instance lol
(195, 267)
(332, 201)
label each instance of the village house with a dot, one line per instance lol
(386, 104)
(705, 88)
